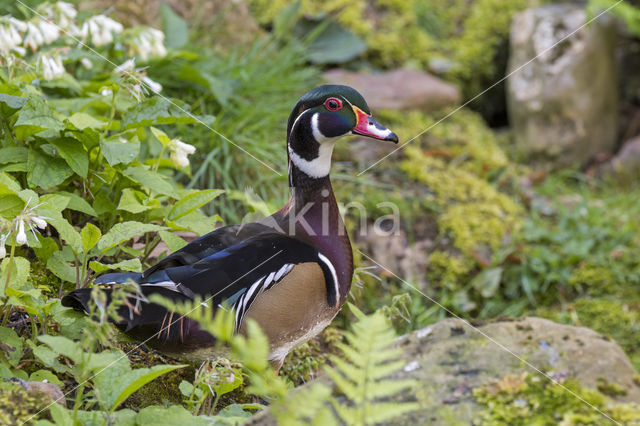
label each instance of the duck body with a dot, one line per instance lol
(291, 272)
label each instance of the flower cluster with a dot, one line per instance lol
(51, 66)
(58, 19)
(27, 218)
(137, 82)
(10, 38)
(148, 43)
(180, 151)
(101, 29)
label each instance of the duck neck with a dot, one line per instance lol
(312, 213)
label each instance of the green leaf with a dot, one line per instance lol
(19, 273)
(124, 385)
(196, 221)
(10, 205)
(9, 183)
(78, 203)
(156, 111)
(45, 171)
(13, 154)
(129, 265)
(118, 152)
(130, 201)
(60, 268)
(10, 104)
(42, 375)
(175, 28)
(90, 235)
(487, 281)
(173, 242)
(11, 345)
(124, 231)
(334, 44)
(34, 117)
(67, 232)
(63, 346)
(74, 154)
(193, 201)
(82, 120)
(150, 179)
(160, 135)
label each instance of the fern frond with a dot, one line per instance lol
(363, 372)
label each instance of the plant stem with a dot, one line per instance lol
(10, 267)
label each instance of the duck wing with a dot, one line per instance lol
(234, 276)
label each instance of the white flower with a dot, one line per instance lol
(3, 250)
(180, 151)
(153, 85)
(34, 37)
(66, 14)
(51, 66)
(149, 43)
(21, 238)
(87, 63)
(50, 32)
(128, 65)
(39, 221)
(106, 92)
(10, 38)
(101, 29)
(137, 91)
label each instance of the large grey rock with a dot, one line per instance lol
(563, 105)
(398, 89)
(625, 165)
(451, 358)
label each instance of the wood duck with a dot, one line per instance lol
(291, 272)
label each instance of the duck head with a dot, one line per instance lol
(321, 117)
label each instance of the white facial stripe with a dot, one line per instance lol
(327, 262)
(319, 166)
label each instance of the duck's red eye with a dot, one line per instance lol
(333, 104)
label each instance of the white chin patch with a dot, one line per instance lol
(321, 165)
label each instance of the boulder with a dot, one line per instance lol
(563, 105)
(626, 164)
(398, 89)
(450, 359)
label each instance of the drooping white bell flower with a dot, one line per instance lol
(153, 85)
(34, 37)
(180, 151)
(50, 32)
(51, 66)
(3, 249)
(149, 43)
(21, 236)
(101, 29)
(10, 29)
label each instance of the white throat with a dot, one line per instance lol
(321, 165)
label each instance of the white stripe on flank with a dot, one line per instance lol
(327, 262)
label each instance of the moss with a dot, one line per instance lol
(527, 399)
(17, 406)
(465, 34)
(302, 364)
(636, 379)
(596, 280)
(162, 391)
(613, 318)
(610, 389)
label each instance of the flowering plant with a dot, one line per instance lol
(84, 163)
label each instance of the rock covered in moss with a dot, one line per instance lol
(516, 372)
(563, 106)
(398, 89)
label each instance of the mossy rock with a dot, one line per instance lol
(520, 372)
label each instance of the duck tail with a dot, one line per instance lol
(79, 299)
